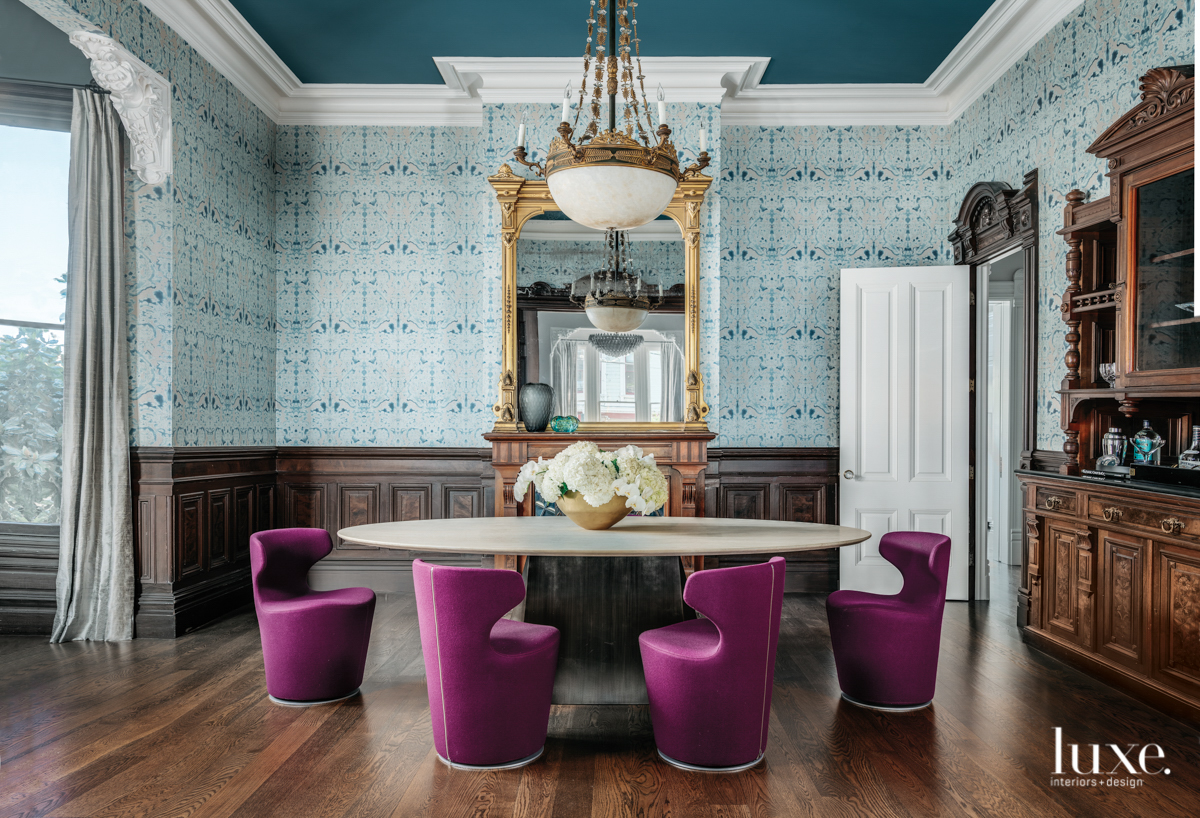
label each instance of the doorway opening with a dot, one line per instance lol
(996, 233)
(1000, 293)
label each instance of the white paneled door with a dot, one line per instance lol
(904, 415)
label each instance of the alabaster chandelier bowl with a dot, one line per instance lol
(614, 197)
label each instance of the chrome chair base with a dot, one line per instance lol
(887, 708)
(293, 703)
(683, 765)
(508, 765)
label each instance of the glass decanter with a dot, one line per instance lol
(1191, 458)
(1147, 445)
(1113, 444)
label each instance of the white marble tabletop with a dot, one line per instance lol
(633, 536)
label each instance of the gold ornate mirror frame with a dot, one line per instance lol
(520, 200)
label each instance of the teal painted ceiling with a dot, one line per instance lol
(808, 41)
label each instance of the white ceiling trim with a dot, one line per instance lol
(223, 37)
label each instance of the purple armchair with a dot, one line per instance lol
(886, 647)
(710, 679)
(489, 678)
(314, 642)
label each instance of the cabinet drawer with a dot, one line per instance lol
(1159, 520)
(1053, 499)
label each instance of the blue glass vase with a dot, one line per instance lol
(536, 401)
(564, 424)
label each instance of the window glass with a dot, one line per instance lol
(34, 165)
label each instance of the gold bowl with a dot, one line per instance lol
(593, 518)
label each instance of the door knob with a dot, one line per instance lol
(849, 475)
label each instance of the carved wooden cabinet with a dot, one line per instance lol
(1112, 579)
(1112, 569)
(1131, 285)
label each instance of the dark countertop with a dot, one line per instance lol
(1135, 485)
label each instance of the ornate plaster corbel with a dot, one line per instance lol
(142, 99)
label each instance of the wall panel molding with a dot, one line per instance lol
(195, 510)
(797, 484)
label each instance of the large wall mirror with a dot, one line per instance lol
(643, 378)
(597, 376)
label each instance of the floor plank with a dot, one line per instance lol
(184, 728)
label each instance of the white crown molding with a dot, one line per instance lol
(541, 79)
(1005, 33)
(141, 97)
(223, 37)
(563, 230)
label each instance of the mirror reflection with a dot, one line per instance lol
(598, 375)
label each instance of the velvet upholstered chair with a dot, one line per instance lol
(710, 679)
(489, 679)
(886, 647)
(314, 642)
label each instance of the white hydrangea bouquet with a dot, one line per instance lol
(598, 476)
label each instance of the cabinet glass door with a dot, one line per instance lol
(1168, 317)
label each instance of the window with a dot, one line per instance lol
(34, 165)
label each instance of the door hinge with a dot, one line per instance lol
(971, 476)
(972, 384)
(972, 299)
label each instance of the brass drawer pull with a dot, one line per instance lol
(1054, 503)
(1172, 525)
(1113, 514)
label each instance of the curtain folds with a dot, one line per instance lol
(672, 382)
(95, 574)
(563, 376)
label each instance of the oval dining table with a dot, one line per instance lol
(601, 589)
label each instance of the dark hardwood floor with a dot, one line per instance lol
(184, 728)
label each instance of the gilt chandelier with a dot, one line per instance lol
(614, 298)
(614, 175)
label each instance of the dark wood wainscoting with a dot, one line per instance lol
(779, 484)
(28, 568)
(194, 512)
(195, 509)
(333, 488)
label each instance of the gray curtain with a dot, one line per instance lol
(95, 570)
(563, 375)
(672, 382)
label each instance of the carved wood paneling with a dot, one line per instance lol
(190, 533)
(195, 511)
(1061, 577)
(410, 503)
(1130, 612)
(778, 484)
(358, 504)
(243, 520)
(1123, 579)
(1177, 654)
(220, 520)
(306, 506)
(744, 502)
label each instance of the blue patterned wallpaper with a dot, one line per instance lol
(200, 248)
(339, 286)
(798, 205)
(388, 281)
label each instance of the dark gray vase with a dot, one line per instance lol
(536, 402)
